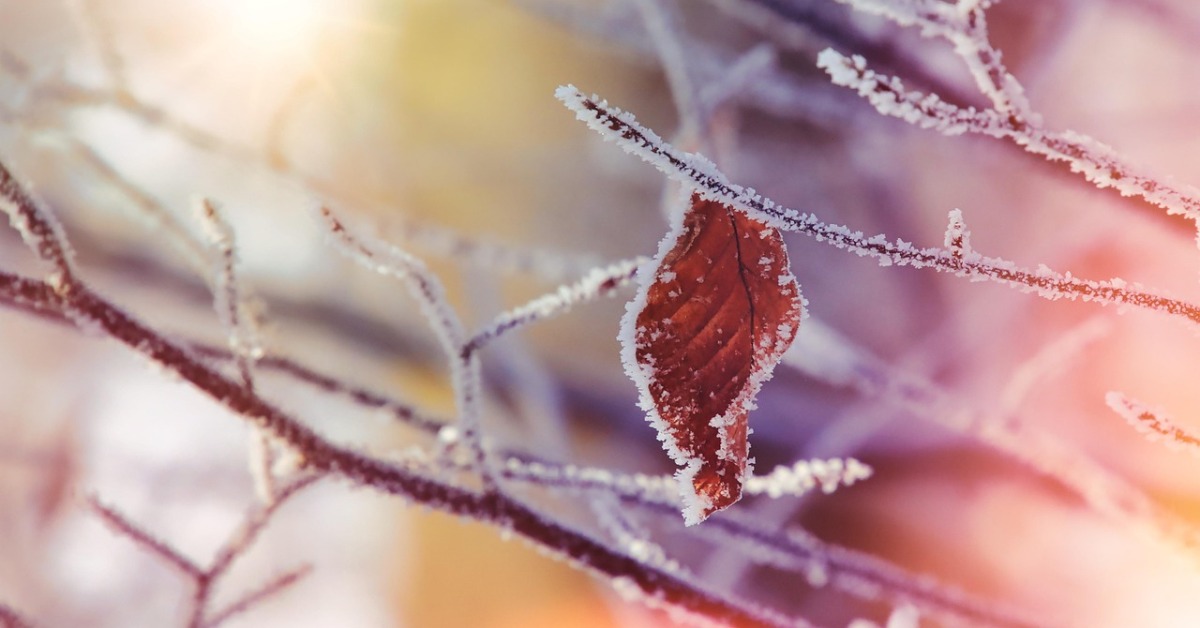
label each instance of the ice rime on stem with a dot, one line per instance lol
(958, 238)
(597, 283)
(847, 570)
(795, 480)
(228, 298)
(806, 475)
(66, 297)
(1098, 163)
(701, 175)
(1154, 423)
(425, 287)
(964, 25)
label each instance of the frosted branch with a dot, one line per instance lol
(228, 298)
(599, 282)
(144, 540)
(701, 175)
(1098, 163)
(958, 238)
(400, 411)
(230, 303)
(40, 232)
(806, 475)
(430, 296)
(826, 356)
(1154, 423)
(964, 25)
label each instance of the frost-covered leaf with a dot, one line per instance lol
(714, 312)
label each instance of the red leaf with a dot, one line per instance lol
(705, 330)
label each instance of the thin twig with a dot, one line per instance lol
(252, 598)
(120, 524)
(490, 507)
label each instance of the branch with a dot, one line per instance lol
(1154, 423)
(95, 312)
(702, 176)
(120, 524)
(1099, 164)
(268, 590)
(597, 283)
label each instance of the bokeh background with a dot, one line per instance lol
(434, 121)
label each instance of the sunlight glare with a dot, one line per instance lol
(278, 29)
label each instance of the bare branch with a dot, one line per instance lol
(266, 591)
(120, 524)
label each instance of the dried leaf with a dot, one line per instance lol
(711, 318)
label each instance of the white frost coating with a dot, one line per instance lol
(1098, 163)
(427, 290)
(656, 488)
(700, 175)
(958, 238)
(1154, 423)
(964, 25)
(806, 475)
(229, 300)
(46, 238)
(596, 283)
(694, 504)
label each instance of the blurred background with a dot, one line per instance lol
(434, 121)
